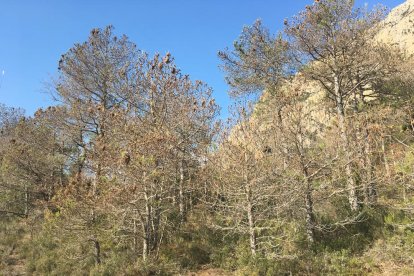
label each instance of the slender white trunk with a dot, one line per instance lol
(384, 154)
(96, 243)
(352, 193)
(181, 192)
(252, 231)
(250, 211)
(155, 223)
(310, 217)
(135, 232)
(146, 229)
(370, 190)
(145, 242)
(26, 201)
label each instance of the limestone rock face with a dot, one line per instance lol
(398, 27)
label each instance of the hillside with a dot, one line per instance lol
(132, 172)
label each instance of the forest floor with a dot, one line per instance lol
(210, 272)
(12, 264)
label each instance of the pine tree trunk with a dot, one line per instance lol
(146, 229)
(155, 223)
(97, 251)
(352, 192)
(310, 217)
(181, 193)
(252, 232)
(135, 233)
(93, 215)
(145, 243)
(384, 154)
(26, 202)
(370, 190)
(250, 212)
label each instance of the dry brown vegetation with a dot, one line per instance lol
(131, 172)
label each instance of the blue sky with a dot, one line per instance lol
(35, 33)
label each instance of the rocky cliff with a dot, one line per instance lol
(398, 27)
